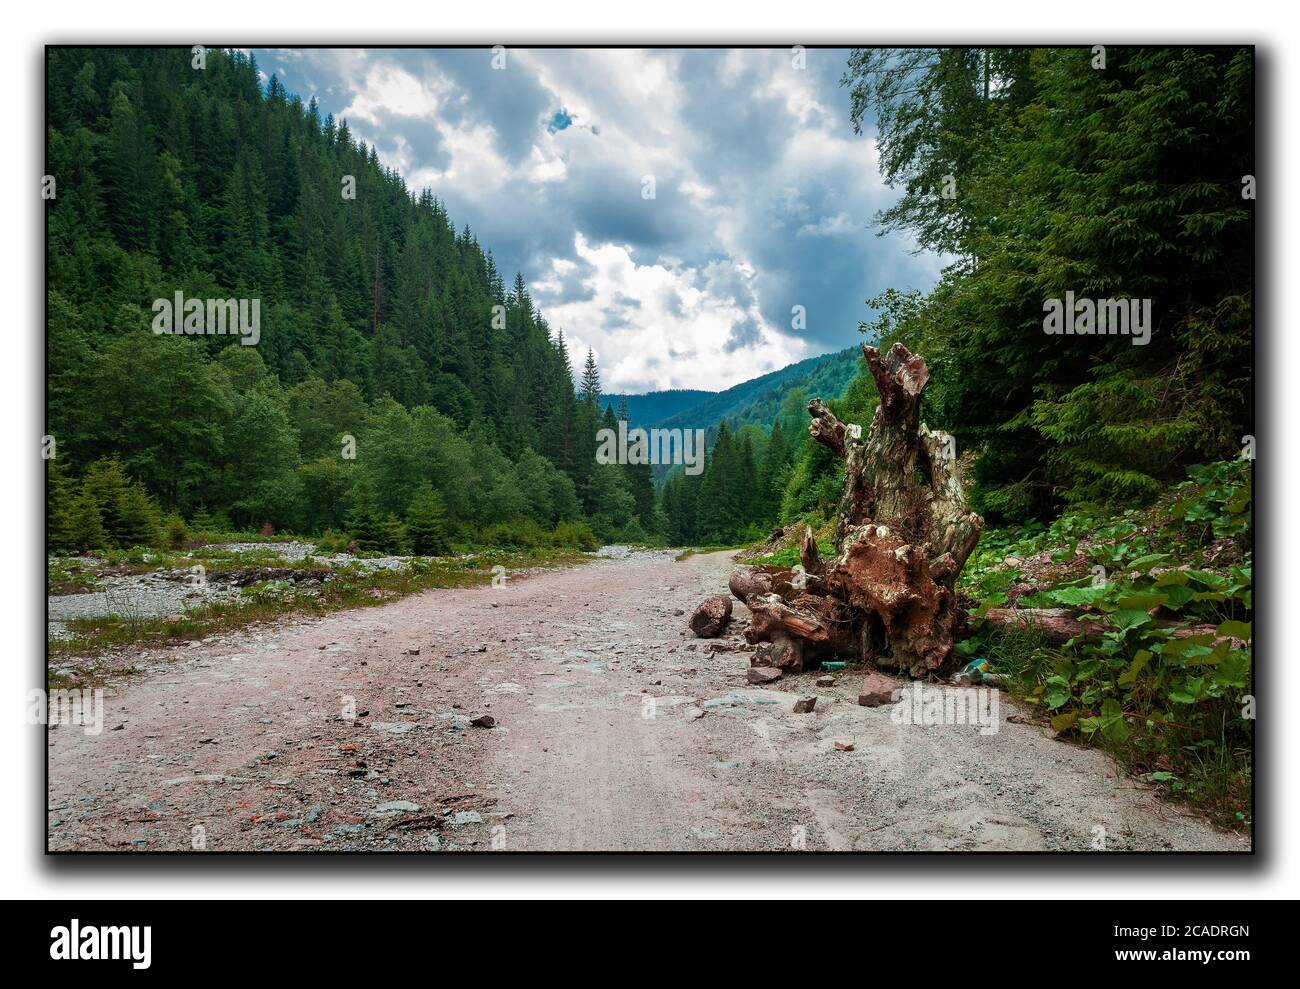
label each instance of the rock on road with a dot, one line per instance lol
(615, 730)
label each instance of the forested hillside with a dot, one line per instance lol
(1123, 173)
(399, 378)
(652, 406)
(1038, 173)
(755, 432)
(759, 400)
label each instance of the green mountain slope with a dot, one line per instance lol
(759, 399)
(655, 405)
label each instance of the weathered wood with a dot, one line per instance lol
(782, 652)
(711, 617)
(903, 533)
(1056, 625)
(826, 429)
(809, 554)
(764, 580)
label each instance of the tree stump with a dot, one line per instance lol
(903, 533)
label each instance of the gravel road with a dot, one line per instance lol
(614, 730)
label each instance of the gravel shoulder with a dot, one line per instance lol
(614, 730)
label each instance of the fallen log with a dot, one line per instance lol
(762, 581)
(1056, 625)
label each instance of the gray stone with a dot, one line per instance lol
(394, 807)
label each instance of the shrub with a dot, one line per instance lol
(523, 533)
(175, 532)
(577, 535)
(333, 542)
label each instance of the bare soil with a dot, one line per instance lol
(615, 729)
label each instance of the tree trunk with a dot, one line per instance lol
(903, 533)
(1056, 625)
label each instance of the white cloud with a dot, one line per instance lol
(839, 225)
(657, 326)
(764, 194)
(390, 89)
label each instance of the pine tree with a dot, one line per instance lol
(87, 525)
(718, 514)
(365, 524)
(393, 535)
(745, 486)
(129, 516)
(426, 522)
(139, 517)
(771, 475)
(590, 389)
(61, 503)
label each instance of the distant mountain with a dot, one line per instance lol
(655, 405)
(759, 399)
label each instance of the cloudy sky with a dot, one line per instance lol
(762, 194)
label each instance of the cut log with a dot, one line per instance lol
(711, 617)
(762, 581)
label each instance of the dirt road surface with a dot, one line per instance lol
(615, 729)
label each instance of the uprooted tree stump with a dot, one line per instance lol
(903, 533)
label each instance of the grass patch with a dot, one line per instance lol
(65, 577)
(788, 556)
(347, 587)
(687, 553)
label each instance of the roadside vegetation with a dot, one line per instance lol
(1162, 679)
(1161, 676)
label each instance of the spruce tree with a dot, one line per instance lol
(61, 498)
(393, 535)
(590, 380)
(129, 516)
(87, 525)
(771, 475)
(426, 522)
(365, 524)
